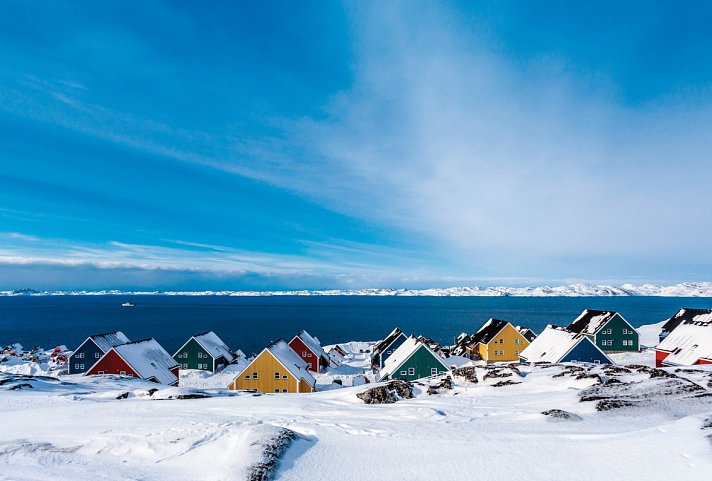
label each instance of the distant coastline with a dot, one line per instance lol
(686, 289)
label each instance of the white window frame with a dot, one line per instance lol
(97, 355)
(101, 373)
(404, 373)
(411, 371)
(81, 366)
(433, 371)
(80, 355)
(122, 373)
(255, 375)
(277, 375)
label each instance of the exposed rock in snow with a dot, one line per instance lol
(561, 414)
(390, 393)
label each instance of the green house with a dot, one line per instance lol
(607, 329)
(204, 351)
(413, 360)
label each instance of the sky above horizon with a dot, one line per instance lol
(179, 145)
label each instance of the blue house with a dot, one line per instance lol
(557, 344)
(383, 350)
(91, 350)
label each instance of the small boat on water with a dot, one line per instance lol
(128, 304)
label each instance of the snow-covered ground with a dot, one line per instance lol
(685, 289)
(637, 423)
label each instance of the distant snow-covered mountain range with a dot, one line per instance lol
(686, 289)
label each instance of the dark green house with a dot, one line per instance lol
(607, 329)
(413, 360)
(204, 351)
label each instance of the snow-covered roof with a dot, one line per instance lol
(313, 344)
(488, 331)
(689, 342)
(148, 358)
(687, 314)
(109, 339)
(382, 345)
(214, 345)
(590, 321)
(403, 353)
(291, 361)
(552, 345)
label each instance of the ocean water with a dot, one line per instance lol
(250, 323)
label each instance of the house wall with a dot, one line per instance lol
(188, 357)
(585, 352)
(509, 341)
(84, 357)
(305, 353)
(617, 325)
(305, 386)
(112, 363)
(265, 365)
(660, 357)
(390, 349)
(422, 361)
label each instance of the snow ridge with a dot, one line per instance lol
(686, 289)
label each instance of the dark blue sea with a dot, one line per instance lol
(249, 323)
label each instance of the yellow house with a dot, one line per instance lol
(497, 341)
(277, 369)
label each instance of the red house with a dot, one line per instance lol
(144, 359)
(310, 350)
(688, 344)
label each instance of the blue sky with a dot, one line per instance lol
(174, 145)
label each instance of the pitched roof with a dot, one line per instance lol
(148, 358)
(528, 334)
(590, 321)
(689, 342)
(214, 345)
(289, 359)
(380, 346)
(313, 344)
(488, 332)
(403, 353)
(109, 339)
(552, 345)
(686, 314)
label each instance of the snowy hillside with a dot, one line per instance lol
(687, 289)
(535, 423)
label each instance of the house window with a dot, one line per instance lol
(97, 355)
(254, 375)
(185, 354)
(276, 375)
(284, 376)
(185, 366)
(516, 341)
(284, 390)
(200, 355)
(411, 371)
(276, 391)
(101, 373)
(122, 373)
(247, 376)
(76, 366)
(433, 371)
(81, 366)
(80, 355)
(309, 355)
(404, 373)
(389, 352)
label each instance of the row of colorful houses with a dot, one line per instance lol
(289, 367)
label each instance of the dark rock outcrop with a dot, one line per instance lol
(390, 393)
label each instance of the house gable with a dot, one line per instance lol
(390, 348)
(112, 363)
(419, 364)
(302, 350)
(267, 366)
(617, 334)
(84, 357)
(586, 351)
(194, 356)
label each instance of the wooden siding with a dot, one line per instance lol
(504, 342)
(112, 363)
(305, 353)
(418, 366)
(84, 357)
(613, 342)
(193, 356)
(266, 365)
